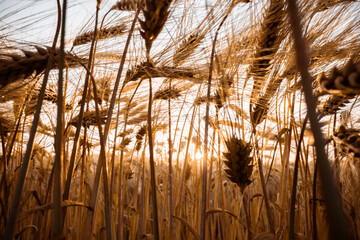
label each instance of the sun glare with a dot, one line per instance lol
(198, 155)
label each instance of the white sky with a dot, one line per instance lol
(41, 18)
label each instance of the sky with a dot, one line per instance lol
(41, 18)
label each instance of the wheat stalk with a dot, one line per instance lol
(9, 230)
(336, 217)
(156, 13)
(240, 169)
(109, 32)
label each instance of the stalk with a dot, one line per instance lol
(120, 205)
(152, 162)
(91, 212)
(171, 206)
(156, 14)
(293, 193)
(204, 164)
(9, 229)
(59, 134)
(314, 222)
(79, 122)
(333, 204)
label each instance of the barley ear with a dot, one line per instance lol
(238, 161)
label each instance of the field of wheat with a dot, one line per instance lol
(180, 119)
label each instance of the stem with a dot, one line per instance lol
(91, 212)
(120, 205)
(293, 193)
(103, 164)
(333, 204)
(204, 164)
(79, 122)
(266, 198)
(247, 215)
(9, 230)
(314, 202)
(170, 171)
(152, 162)
(59, 134)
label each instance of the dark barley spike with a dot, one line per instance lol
(138, 145)
(222, 92)
(168, 93)
(30, 106)
(333, 103)
(125, 133)
(349, 140)
(186, 48)
(128, 173)
(219, 98)
(89, 118)
(139, 137)
(268, 43)
(141, 133)
(226, 82)
(187, 172)
(110, 32)
(156, 13)
(138, 119)
(216, 99)
(140, 71)
(259, 112)
(345, 81)
(7, 124)
(50, 94)
(103, 89)
(126, 141)
(17, 67)
(126, 5)
(323, 5)
(238, 161)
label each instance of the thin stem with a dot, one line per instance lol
(247, 214)
(91, 212)
(80, 119)
(266, 197)
(171, 210)
(120, 205)
(9, 230)
(103, 164)
(314, 203)
(152, 162)
(59, 133)
(293, 193)
(204, 164)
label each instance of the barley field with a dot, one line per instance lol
(180, 119)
